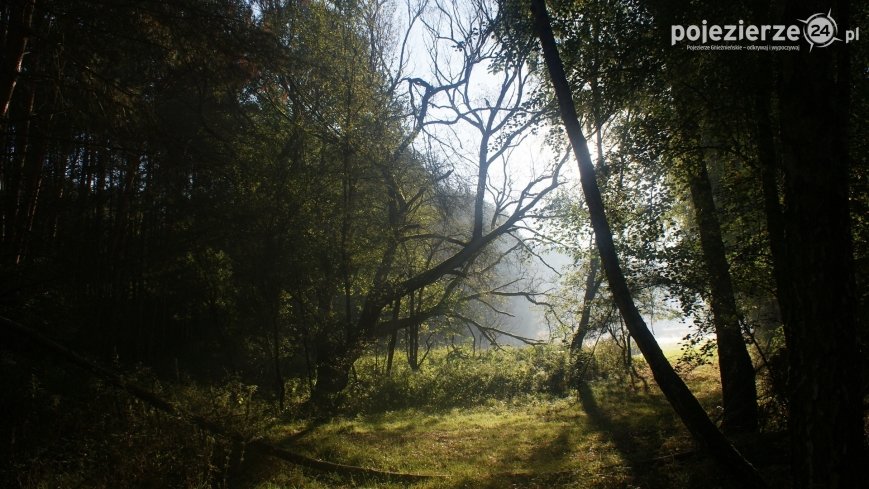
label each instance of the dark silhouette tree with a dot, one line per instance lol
(677, 393)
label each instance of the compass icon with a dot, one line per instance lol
(820, 30)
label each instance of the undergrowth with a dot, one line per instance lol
(512, 417)
(62, 428)
(458, 378)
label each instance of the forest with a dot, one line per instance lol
(434, 244)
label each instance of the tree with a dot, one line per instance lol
(674, 389)
(106, 158)
(737, 371)
(372, 196)
(622, 80)
(816, 266)
(18, 16)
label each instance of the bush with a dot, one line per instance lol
(772, 384)
(62, 428)
(606, 361)
(458, 377)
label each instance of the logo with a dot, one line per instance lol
(818, 30)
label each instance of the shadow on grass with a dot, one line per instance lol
(643, 437)
(546, 453)
(656, 456)
(604, 424)
(534, 471)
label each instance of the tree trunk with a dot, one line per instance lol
(14, 177)
(825, 401)
(280, 389)
(413, 347)
(390, 350)
(591, 286)
(333, 373)
(770, 177)
(738, 388)
(677, 393)
(769, 168)
(393, 338)
(413, 338)
(16, 36)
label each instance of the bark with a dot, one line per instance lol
(769, 168)
(14, 177)
(28, 204)
(413, 338)
(738, 389)
(826, 419)
(677, 393)
(280, 389)
(16, 37)
(393, 338)
(413, 347)
(592, 284)
(769, 172)
(333, 365)
(390, 351)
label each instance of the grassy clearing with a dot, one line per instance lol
(605, 435)
(515, 418)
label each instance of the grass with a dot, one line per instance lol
(495, 419)
(604, 436)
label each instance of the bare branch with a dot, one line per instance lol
(489, 331)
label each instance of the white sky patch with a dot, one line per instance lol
(433, 53)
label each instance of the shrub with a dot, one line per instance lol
(605, 361)
(62, 428)
(459, 377)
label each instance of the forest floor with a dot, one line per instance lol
(494, 419)
(602, 436)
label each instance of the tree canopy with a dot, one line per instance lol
(271, 192)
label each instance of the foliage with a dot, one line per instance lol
(524, 421)
(607, 436)
(459, 377)
(63, 429)
(246, 195)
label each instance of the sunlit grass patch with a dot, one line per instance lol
(501, 435)
(530, 442)
(610, 432)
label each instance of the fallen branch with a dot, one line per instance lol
(165, 406)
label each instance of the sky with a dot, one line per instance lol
(526, 161)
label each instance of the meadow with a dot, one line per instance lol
(505, 418)
(512, 417)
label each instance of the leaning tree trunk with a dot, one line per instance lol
(738, 389)
(677, 393)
